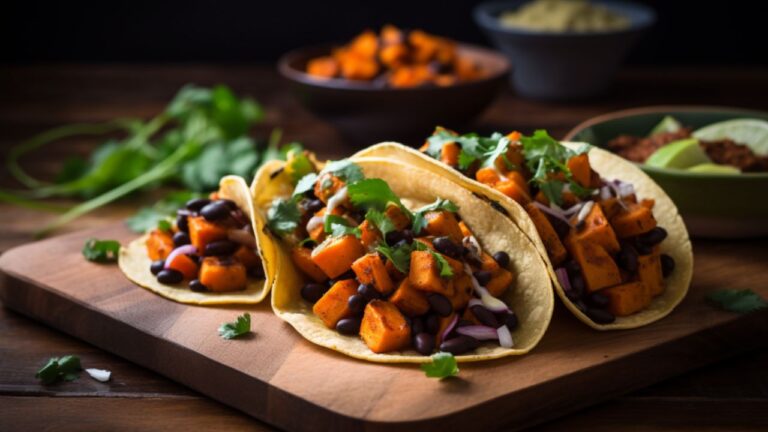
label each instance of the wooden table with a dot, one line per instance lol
(731, 395)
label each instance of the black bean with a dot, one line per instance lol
(197, 203)
(502, 259)
(598, 300)
(408, 236)
(653, 237)
(511, 320)
(445, 246)
(580, 304)
(180, 238)
(196, 285)
(312, 292)
(356, 303)
(368, 292)
(667, 265)
(464, 323)
(440, 304)
(642, 248)
(572, 267)
(483, 277)
(214, 211)
(348, 326)
(313, 205)
(393, 237)
(417, 325)
(459, 345)
(424, 343)
(196, 258)
(432, 324)
(600, 316)
(182, 223)
(220, 247)
(157, 266)
(485, 316)
(577, 285)
(169, 276)
(229, 203)
(627, 258)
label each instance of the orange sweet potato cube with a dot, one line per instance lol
(580, 169)
(159, 245)
(202, 232)
(333, 306)
(410, 301)
(462, 291)
(220, 275)
(302, 257)
(368, 234)
(336, 257)
(596, 229)
(649, 271)
(398, 217)
(370, 269)
(443, 223)
(424, 274)
(549, 237)
(627, 298)
(384, 328)
(500, 282)
(638, 219)
(597, 266)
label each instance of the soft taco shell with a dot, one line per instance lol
(531, 298)
(134, 261)
(608, 165)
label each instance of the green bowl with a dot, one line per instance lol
(712, 205)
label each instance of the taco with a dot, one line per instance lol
(209, 255)
(388, 263)
(616, 248)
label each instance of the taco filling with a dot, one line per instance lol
(400, 279)
(601, 238)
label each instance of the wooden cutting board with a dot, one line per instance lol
(278, 377)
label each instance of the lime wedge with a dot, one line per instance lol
(750, 132)
(678, 154)
(711, 168)
(667, 124)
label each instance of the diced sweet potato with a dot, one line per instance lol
(326, 186)
(597, 267)
(488, 264)
(443, 324)
(465, 231)
(636, 220)
(457, 267)
(425, 274)
(159, 245)
(336, 257)
(369, 235)
(487, 176)
(500, 282)
(580, 169)
(514, 191)
(334, 304)
(370, 269)
(549, 237)
(323, 67)
(248, 257)
(627, 298)
(410, 301)
(449, 154)
(443, 223)
(394, 55)
(220, 275)
(648, 203)
(596, 229)
(186, 265)
(394, 274)
(384, 328)
(515, 154)
(462, 291)
(611, 207)
(302, 257)
(398, 217)
(365, 44)
(202, 232)
(649, 272)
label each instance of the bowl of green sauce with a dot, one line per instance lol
(563, 49)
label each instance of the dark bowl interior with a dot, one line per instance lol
(366, 114)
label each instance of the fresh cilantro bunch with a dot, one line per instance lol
(473, 147)
(201, 136)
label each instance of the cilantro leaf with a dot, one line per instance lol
(399, 255)
(465, 160)
(374, 193)
(445, 268)
(739, 301)
(283, 216)
(436, 142)
(344, 169)
(338, 226)
(383, 223)
(235, 329)
(498, 146)
(64, 368)
(101, 251)
(420, 223)
(305, 184)
(443, 365)
(151, 217)
(298, 165)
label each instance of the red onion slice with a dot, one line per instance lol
(181, 250)
(448, 329)
(616, 191)
(489, 302)
(505, 337)
(479, 332)
(562, 277)
(552, 212)
(242, 237)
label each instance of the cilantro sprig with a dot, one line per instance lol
(739, 301)
(547, 158)
(443, 365)
(338, 226)
(283, 215)
(101, 251)
(59, 368)
(241, 326)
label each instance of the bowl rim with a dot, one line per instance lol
(484, 14)
(293, 74)
(663, 110)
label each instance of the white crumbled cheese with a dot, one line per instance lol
(99, 374)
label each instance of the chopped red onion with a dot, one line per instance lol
(242, 237)
(605, 193)
(552, 212)
(448, 329)
(489, 302)
(479, 332)
(616, 191)
(181, 250)
(475, 302)
(505, 337)
(585, 209)
(575, 208)
(562, 277)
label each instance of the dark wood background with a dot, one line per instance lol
(732, 395)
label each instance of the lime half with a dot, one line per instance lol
(679, 154)
(667, 124)
(750, 132)
(710, 168)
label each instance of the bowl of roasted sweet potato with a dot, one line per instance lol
(394, 84)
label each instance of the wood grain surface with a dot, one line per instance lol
(273, 373)
(730, 395)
